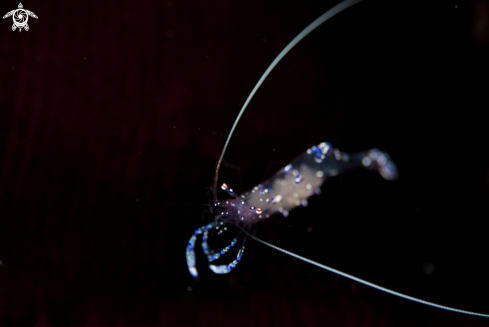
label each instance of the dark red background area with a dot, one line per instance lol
(112, 118)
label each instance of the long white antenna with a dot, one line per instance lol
(324, 17)
(380, 288)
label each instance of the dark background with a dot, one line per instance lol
(112, 118)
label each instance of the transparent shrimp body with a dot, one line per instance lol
(299, 180)
(303, 177)
(287, 189)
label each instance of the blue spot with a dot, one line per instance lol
(287, 168)
(316, 151)
(298, 179)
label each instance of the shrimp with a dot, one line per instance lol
(288, 189)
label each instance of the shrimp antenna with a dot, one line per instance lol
(324, 17)
(361, 281)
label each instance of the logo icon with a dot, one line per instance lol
(20, 17)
